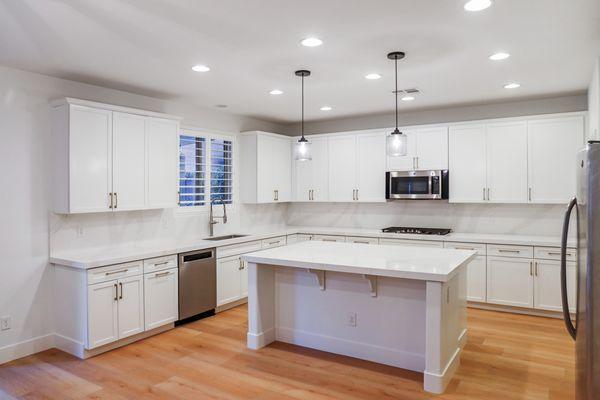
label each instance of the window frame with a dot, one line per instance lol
(208, 135)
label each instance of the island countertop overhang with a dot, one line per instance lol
(419, 263)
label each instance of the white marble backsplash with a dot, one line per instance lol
(521, 219)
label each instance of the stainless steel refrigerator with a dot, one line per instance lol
(584, 213)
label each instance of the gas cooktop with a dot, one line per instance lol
(417, 231)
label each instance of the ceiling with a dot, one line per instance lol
(252, 46)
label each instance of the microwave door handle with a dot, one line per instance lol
(563, 270)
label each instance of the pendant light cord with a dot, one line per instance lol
(302, 106)
(396, 91)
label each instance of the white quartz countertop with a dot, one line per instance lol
(383, 260)
(86, 258)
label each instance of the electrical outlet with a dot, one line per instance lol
(5, 323)
(79, 230)
(351, 319)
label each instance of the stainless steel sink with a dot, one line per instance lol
(224, 237)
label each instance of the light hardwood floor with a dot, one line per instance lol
(507, 357)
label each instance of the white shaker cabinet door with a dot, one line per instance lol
(407, 162)
(371, 154)
(228, 279)
(131, 306)
(319, 169)
(552, 146)
(129, 161)
(266, 178)
(510, 281)
(303, 179)
(507, 162)
(467, 164)
(90, 160)
(342, 168)
(161, 304)
(547, 292)
(102, 314)
(282, 168)
(243, 278)
(432, 148)
(162, 153)
(476, 279)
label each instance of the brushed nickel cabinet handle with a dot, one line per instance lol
(121, 271)
(356, 194)
(160, 274)
(465, 248)
(328, 240)
(275, 242)
(488, 194)
(360, 241)
(116, 292)
(536, 268)
(558, 254)
(111, 200)
(483, 194)
(121, 287)
(529, 193)
(531, 268)
(417, 162)
(508, 251)
(116, 200)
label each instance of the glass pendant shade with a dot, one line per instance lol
(397, 144)
(302, 151)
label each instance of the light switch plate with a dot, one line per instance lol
(5, 323)
(351, 319)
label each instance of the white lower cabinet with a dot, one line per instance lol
(230, 271)
(546, 287)
(161, 300)
(510, 281)
(477, 279)
(103, 315)
(413, 243)
(329, 238)
(131, 306)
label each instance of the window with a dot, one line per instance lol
(205, 169)
(221, 170)
(192, 167)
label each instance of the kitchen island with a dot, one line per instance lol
(400, 306)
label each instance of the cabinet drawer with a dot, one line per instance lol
(363, 240)
(273, 242)
(329, 238)
(503, 250)
(414, 243)
(553, 253)
(240, 248)
(303, 237)
(292, 238)
(160, 263)
(118, 271)
(480, 248)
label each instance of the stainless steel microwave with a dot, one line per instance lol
(416, 185)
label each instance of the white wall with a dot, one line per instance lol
(27, 222)
(464, 218)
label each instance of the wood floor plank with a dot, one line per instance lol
(507, 357)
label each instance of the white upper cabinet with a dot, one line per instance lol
(342, 168)
(111, 158)
(467, 164)
(506, 162)
(515, 160)
(311, 178)
(266, 167)
(427, 150)
(357, 167)
(553, 144)
(370, 159)
(129, 161)
(594, 104)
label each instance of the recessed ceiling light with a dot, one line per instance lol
(512, 85)
(326, 108)
(311, 42)
(200, 68)
(276, 91)
(408, 98)
(373, 76)
(477, 5)
(499, 56)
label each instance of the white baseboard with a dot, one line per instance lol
(69, 345)
(26, 348)
(365, 351)
(462, 339)
(436, 383)
(257, 341)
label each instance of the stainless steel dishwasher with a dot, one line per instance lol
(197, 283)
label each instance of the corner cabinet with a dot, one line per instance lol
(265, 167)
(110, 158)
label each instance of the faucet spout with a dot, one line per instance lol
(212, 220)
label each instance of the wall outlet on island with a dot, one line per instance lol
(5, 323)
(351, 319)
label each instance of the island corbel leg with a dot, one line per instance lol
(261, 305)
(445, 332)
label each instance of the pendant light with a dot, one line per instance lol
(396, 141)
(302, 148)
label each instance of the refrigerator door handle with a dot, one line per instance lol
(563, 269)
